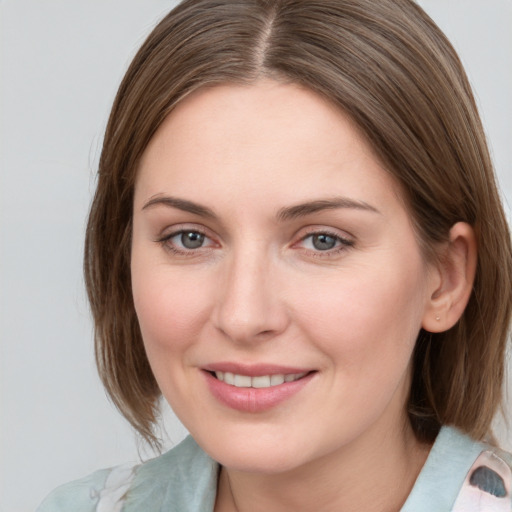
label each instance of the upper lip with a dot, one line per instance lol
(254, 370)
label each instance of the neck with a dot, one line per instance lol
(375, 474)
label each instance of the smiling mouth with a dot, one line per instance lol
(259, 382)
(255, 388)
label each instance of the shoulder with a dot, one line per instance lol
(80, 495)
(184, 474)
(182, 480)
(488, 483)
(462, 475)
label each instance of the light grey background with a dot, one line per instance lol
(60, 64)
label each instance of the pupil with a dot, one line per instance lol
(192, 239)
(323, 242)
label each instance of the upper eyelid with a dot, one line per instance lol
(170, 231)
(327, 233)
(343, 241)
(326, 230)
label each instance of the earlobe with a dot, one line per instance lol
(455, 274)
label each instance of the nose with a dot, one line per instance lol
(250, 306)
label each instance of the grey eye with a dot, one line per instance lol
(323, 242)
(192, 239)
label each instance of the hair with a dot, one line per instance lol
(390, 68)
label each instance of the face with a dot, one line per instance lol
(276, 277)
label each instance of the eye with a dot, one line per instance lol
(325, 242)
(189, 239)
(186, 241)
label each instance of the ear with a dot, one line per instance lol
(452, 283)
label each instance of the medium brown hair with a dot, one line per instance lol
(390, 68)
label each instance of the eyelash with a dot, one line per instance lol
(343, 243)
(165, 241)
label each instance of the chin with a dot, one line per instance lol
(269, 462)
(262, 452)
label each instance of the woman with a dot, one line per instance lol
(297, 239)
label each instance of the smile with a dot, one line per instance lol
(259, 382)
(255, 388)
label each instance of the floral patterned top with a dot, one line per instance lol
(460, 475)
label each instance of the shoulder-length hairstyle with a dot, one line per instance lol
(390, 68)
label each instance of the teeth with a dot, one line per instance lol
(275, 380)
(263, 381)
(242, 381)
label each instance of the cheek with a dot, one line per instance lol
(169, 307)
(367, 317)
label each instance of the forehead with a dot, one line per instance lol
(253, 110)
(270, 137)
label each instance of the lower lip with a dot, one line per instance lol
(254, 400)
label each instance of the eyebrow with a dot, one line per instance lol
(301, 210)
(284, 214)
(181, 204)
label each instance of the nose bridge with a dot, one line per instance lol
(249, 305)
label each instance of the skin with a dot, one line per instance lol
(259, 290)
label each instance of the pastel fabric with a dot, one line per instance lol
(460, 475)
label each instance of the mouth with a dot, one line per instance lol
(257, 382)
(255, 388)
